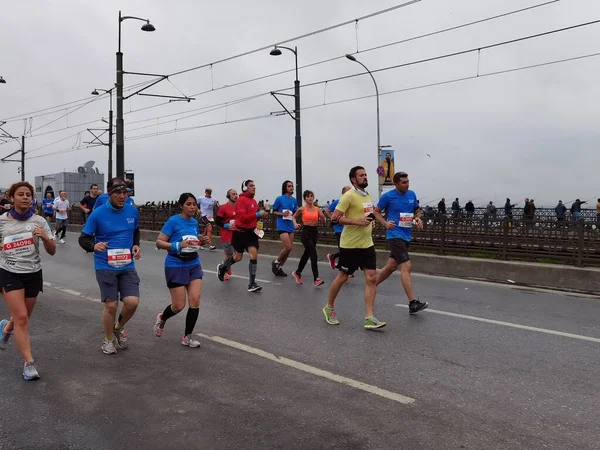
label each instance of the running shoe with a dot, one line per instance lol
(254, 288)
(159, 325)
(212, 248)
(121, 338)
(62, 241)
(220, 272)
(319, 282)
(274, 268)
(202, 248)
(331, 260)
(225, 278)
(297, 277)
(108, 347)
(371, 323)
(30, 373)
(229, 272)
(188, 341)
(281, 273)
(417, 305)
(4, 337)
(330, 316)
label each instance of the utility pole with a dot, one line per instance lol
(5, 135)
(22, 158)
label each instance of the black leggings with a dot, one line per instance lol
(309, 238)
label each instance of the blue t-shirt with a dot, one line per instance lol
(282, 203)
(47, 205)
(178, 229)
(116, 227)
(337, 228)
(399, 208)
(102, 199)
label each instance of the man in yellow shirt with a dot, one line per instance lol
(355, 212)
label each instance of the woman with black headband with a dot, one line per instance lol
(179, 237)
(21, 269)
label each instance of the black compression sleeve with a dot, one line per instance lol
(86, 242)
(219, 221)
(136, 237)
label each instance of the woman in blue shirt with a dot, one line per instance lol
(183, 272)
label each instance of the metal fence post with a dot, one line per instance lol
(580, 241)
(505, 227)
(443, 250)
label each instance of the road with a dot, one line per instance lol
(485, 367)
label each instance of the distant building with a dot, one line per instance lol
(75, 183)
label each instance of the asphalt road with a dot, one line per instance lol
(485, 367)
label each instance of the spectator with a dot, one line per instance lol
(508, 211)
(470, 209)
(4, 204)
(527, 210)
(576, 210)
(598, 211)
(267, 206)
(561, 211)
(455, 208)
(442, 207)
(532, 209)
(491, 210)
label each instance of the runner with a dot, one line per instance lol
(226, 220)
(401, 208)
(207, 208)
(112, 232)
(337, 230)
(179, 237)
(88, 202)
(310, 233)
(102, 199)
(21, 270)
(47, 209)
(284, 208)
(355, 212)
(62, 206)
(246, 234)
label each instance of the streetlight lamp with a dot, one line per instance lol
(277, 52)
(119, 85)
(352, 58)
(2, 80)
(110, 130)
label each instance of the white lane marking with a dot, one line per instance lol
(236, 276)
(71, 292)
(312, 370)
(511, 325)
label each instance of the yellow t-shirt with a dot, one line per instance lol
(356, 206)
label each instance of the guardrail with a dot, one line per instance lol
(541, 240)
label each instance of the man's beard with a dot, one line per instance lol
(363, 185)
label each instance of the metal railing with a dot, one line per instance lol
(540, 240)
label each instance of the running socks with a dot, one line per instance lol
(190, 319)
(252, 266)
(227, 264)
(168, 313)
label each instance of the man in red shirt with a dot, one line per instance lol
(226, 220)
(246, 234)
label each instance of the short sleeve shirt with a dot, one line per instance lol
(356, 206)
(337, 228)
(179, 229)
(206, 206)
(61, 205)
(400, 209)
(20, 249)
(285, 203)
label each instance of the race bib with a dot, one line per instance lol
(368, 209)
(194, 244)
(210, 218)
(232, 225)
(406, 220)
(19, 245)
(119, 257)
(287, 217)
(259, 233)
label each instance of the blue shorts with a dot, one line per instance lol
(118, 284)
(182, 276)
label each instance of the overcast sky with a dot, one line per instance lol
(528, 133)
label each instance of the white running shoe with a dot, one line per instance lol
(188, 341)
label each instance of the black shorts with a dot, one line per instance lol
(204, 220)
(31, 282)
(241, 240)
(352, 259)
(182, 276)
(399, 250)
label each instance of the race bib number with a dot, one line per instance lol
(194, 244)
(119, 257)
(232, 225)
(19, 245)
(259, 233)
(406, 220)
(287, 217)
(368, 209)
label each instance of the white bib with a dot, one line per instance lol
(119, 257)
(406, 220)
(368, 209)
(194, 244)
(19, 245)
(287, 217)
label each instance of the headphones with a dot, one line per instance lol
(245, 185)
(227, 195)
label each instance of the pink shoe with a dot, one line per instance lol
(158, 326)
(297, 277)
(331, 260)
(319, 282)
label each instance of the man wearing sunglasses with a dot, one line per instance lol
(112, 233)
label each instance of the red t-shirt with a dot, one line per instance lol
(227, 212)
(245, 212)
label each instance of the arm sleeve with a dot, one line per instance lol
(86, 242)
(136, 236)
(219, 221)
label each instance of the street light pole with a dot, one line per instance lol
(352, 58)
(298, 136)
(22, 158)
(119, 85)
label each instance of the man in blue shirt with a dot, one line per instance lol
(112, 232)
(337, 230)
(284, 208)
(102, 199)
(402, 210)
(47, 208)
